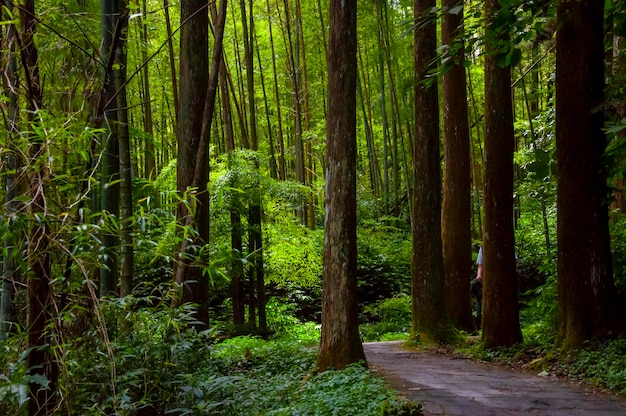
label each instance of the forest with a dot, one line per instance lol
(208, 207)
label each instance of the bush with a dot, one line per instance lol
(152, 361)
(387, 319)
(602, 364)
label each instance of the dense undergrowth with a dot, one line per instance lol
(155, 363)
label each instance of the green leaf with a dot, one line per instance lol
(456, 10)
(39, 379)
(515, 56)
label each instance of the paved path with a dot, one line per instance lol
(448, 385)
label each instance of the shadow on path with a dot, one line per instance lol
(449, 385)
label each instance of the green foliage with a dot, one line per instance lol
(618, 251)
(539, 317)
(387, 319)
(352, 391)
(603, 364)
(14, 378)
(149, 360)
(294, 253)
(384, 261)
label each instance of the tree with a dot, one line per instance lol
(39, 261)
(10, 271)
(500, 306)
(340, 344)
(110, 189)
(457, 209)
(124, 147)
(255, 235)
(585, 282)
(194, 62)
(430, 321)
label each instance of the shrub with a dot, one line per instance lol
(387, 319)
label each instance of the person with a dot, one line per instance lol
(479, 265)
(477, 288)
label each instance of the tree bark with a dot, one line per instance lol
(500, 305)
(38, 364)
(279, 122)
(170, 47)
(110, 188)
(255, 235)
(150, 171)
(586, 291)
(457, 206)
(430, 321)
(194, 63)
(125, 169)
(340, 344)
(10, 270)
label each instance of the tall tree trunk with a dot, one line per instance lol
(375, 176)
(430, 321)
(126, 189)
(457, 206)
(500, 306)
(150, 171)
(194, 62)
(255, 243)
(396, 128)
(170, 47)
(279, 121)
(383, 111)
(270, 129)
(585, 282)
(38, 363)
(340, 344)
(10, 271)
(110, 189)
(297, 103)
(477, 157)
(309, 213)
(237, 272)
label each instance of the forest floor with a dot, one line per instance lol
(452, 384)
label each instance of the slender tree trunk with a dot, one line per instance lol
(585, 281)
(297, 102)
(110, 190)
(150, 171)
(308, 150)
(383, 111)
(126, 189)
(279, 121)
(340, 344)
(457, 206)
(41, 400)
(500, 305)
(255, 243)
(396, 129)
(170, 47)
(376, 178)
(237, 272)
(10, 271)
(270, 129)
(476, 156)
(430, 321)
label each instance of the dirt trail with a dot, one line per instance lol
(450, 385)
